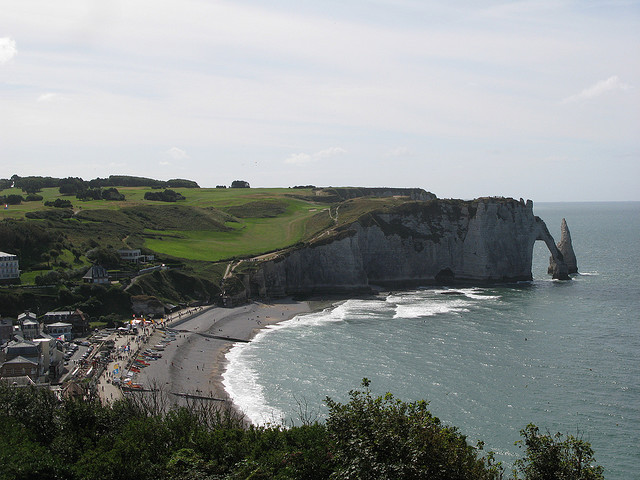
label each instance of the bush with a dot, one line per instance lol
(90, 194)
(555, 456)
(14, 199)
(165, 196)
(59, 203)
(181, 183)
(386, 438)
(112, 194)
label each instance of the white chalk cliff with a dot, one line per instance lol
(486, 240)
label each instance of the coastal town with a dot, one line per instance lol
(180, 353)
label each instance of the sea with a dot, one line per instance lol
(564, 355)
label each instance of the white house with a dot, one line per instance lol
(60, 329)
(9, 268)
(135, 255)
(29, 329)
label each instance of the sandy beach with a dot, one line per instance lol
(194, 362)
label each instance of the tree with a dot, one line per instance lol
(112, 194)
(165, 196)
(239, 184)
(181, 183)
(551, 457)
(107, 257)
(30, 186)
(59, 203)
(14, 199)
(54, 254)
(90, 194)
(387, 438)
(71, 185)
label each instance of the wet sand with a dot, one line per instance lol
(194, 362)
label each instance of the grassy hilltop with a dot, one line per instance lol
(201, 232)
(209, 225)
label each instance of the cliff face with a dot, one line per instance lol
(417, 243)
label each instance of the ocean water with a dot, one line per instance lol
(490, 360)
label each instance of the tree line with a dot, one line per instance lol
(145, 437)
(75, 185)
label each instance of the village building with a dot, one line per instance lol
(35, 358)
(6, 330)
(19, 367)
(135, 255)
(9, 268)
(78, 320)
(96, 274)
(27, 328)
(51, 357)
(22, 348)
(60, 329)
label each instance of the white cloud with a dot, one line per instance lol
(298, 158)
(50, 97)
(400, 152)
(8, 49)
(176, 154)
(597, 89)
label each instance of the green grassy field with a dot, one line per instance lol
(248, 236)
(209, 225)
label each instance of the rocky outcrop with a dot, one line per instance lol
(416, 243)
(147, 305)
(566, 248)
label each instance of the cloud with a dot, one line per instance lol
(8, 49)
(298, 158)
(176, 154)
(50, 97)
(600, 88)
(400, 152)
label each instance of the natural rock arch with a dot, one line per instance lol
(557, 268)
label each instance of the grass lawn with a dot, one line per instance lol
(252, 236)
(29, 278)
(271, 219)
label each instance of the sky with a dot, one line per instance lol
(533, 99)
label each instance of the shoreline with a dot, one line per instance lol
(195, 362)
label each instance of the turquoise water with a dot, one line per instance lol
(563, 355)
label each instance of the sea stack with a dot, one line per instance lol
(566, 248)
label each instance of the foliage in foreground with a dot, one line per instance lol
(366, 438)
